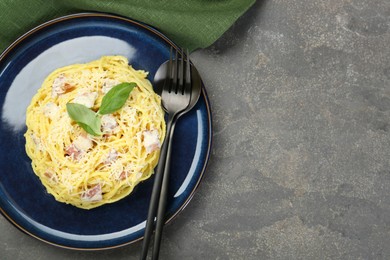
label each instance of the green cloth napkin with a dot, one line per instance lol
(190, 23)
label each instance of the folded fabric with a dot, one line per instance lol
(190, 23)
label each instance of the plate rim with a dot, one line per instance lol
(155, 31)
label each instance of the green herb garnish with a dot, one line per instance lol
(85, 118)
(90, 121)
(116, 98)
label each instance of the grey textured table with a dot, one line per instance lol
(300, 94)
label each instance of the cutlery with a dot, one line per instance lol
(180, 86)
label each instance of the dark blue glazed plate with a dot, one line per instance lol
(23, 66)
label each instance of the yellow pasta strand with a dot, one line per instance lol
(112, 164)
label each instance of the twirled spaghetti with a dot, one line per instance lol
(84, 170)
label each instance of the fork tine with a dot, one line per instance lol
(174, 82)
(188, 74)
(168, 82)
(181, 73)
(184, 73)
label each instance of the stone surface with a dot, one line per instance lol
(300, 94)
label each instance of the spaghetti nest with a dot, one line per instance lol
(84, 170)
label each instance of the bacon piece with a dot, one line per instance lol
(73, 152)
(92, 194)
(151, 140)
(123, 175)
(108, 123)
(108, 84)
(60, 86)
(87, 99)
(126, 174)
(67, 87)
(83, 143)
(38, 142)
(52, 177)
(112, 156)
(50, 110)
(79, 146)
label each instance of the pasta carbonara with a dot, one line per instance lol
(84, 170)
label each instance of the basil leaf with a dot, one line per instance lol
(116, 98)
(85, 118)
(93, 130)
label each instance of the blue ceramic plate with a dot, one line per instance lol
(23, 66)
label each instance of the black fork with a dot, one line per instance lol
(175, 97)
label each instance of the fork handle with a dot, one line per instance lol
(156, 191)
(160, 219)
